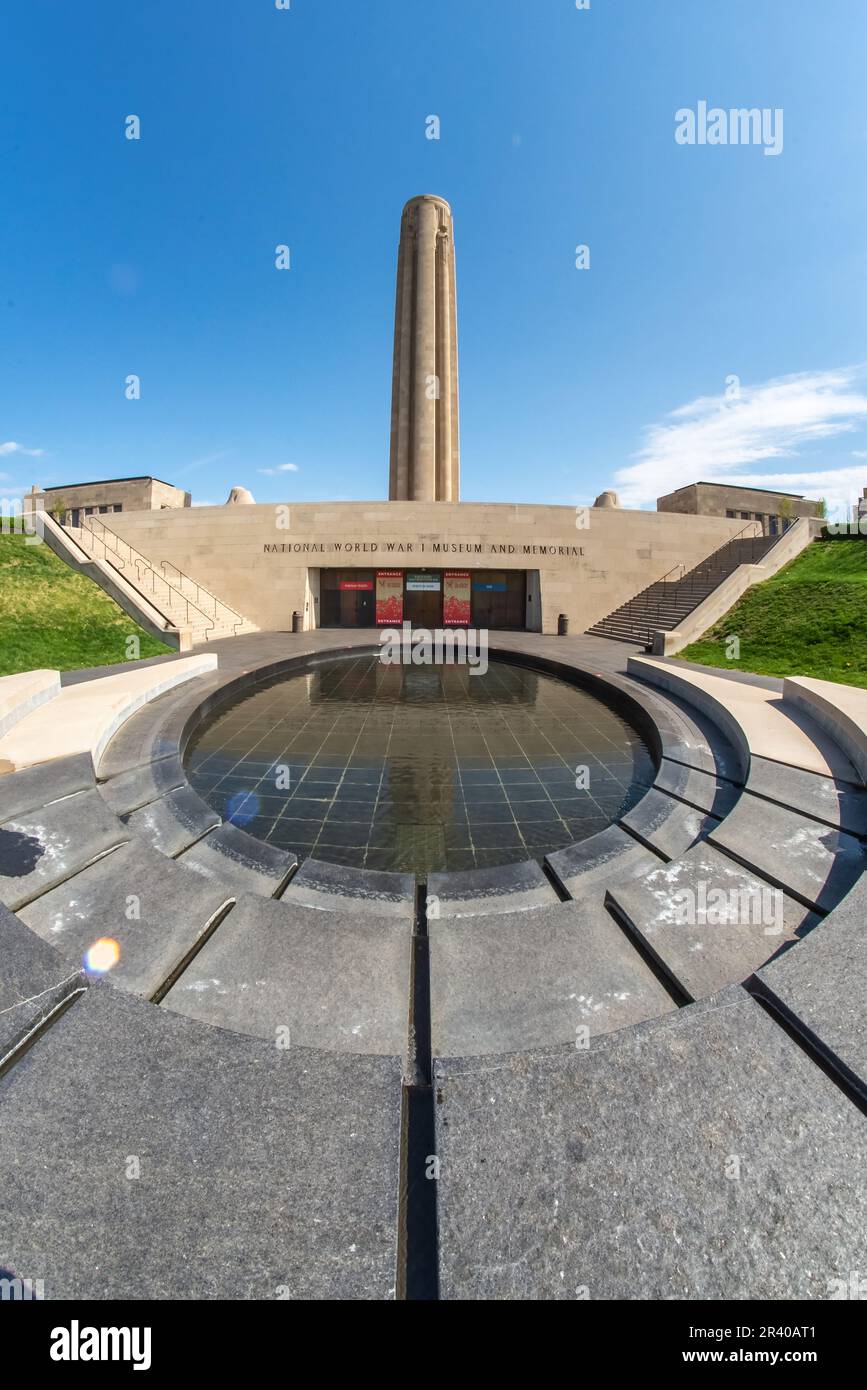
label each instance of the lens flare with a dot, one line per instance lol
(242, 808)
(102, 955)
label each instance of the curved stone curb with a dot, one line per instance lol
(333, 887)
(478, 892)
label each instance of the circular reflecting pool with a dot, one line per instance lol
(419, 768)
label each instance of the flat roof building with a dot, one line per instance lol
(774, 510)
(71, 503)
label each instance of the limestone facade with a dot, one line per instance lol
(73, 502)
(265, 560)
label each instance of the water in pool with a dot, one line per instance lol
(419, 769)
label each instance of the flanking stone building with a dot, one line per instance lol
(72, 503)
(775, 511)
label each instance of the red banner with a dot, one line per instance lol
(457, 598)
(389, 598)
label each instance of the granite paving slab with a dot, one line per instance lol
(611, 856)
(666, 824)
(173, 822)
(509, 888)
(34, 982)
(822, 798)
(822, 983)
(332, 980)
(707, 921)
(43, 847)
(336, 887)
(806, 858)
(35, 787)
(152, 908)
(699, 789)
(144, 1155)
(239, 862)
(703, 1155)
(131, 790)
(523, 980)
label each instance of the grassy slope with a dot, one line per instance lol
(52, 617)
(808, 620)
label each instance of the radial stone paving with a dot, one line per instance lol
(144, 1155)
(691, 1157)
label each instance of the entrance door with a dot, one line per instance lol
(347, 598)
(423, 598)
(499, 599)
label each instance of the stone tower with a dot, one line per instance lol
(425, 451)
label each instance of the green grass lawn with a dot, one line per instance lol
(52, 617)
(808, 620)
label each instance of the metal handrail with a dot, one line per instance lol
(139, 561)
(700, 572)
(200, 589)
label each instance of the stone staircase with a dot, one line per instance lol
(184, 602)
(663, 605)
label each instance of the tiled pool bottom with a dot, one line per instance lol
(418, 769)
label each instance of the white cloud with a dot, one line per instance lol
(12, 448)
(716, 440)
(281, 468)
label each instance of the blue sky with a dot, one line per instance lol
(262, 126)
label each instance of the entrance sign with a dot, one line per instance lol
(457, 597)
(389, 597)
(423, 583)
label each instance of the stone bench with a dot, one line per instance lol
(21, 694)
(83, 718)
(841, 710)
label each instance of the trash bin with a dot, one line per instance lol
(562, 626)
(296, 622)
